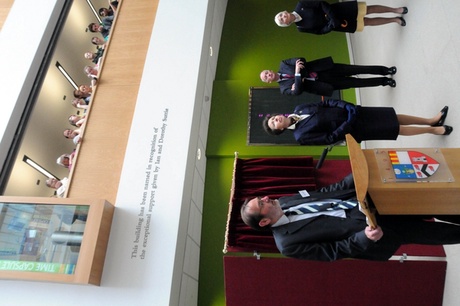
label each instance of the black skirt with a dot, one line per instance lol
(347, 13)
(375, 123)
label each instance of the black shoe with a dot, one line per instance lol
(448, 129)
(392, 70)
(403, 21)
(390, 82)
(443, 112)
(405, 10)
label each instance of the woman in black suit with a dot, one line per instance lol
(328, 122)
(320, 17)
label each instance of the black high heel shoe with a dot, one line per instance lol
(448, 129)
(403, 22)
(405, 10)
(392, 70)
(443, 112)
(390, 82)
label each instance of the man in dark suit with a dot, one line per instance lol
(342, 233)
(323, 76)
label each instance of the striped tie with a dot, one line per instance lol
(315, 207)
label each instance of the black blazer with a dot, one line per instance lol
(327, 122)
(323, 238)
(301, 83)
(320, 17)
(317, 17)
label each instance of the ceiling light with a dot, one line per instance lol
(66, 75)
(37, 167)
(91, 6)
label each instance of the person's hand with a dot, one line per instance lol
(351, 112)
(374, 234)
(293, 87)
(350, 107)
(299, 65)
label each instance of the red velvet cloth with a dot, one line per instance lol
(332, 171)
(254, 177)
(286, 281)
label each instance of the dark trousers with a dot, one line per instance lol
(421, 230)
(341, 76)
(403, 229)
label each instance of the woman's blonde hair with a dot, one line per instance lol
(278, 22)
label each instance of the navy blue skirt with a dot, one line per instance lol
(375, 123)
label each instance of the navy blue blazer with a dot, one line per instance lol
(327, 124)
(287, 66)
(320, 17)
(317, 17)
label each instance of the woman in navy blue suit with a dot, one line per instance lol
(320, 17)
(329, 121)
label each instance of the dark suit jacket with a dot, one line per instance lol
(327, 124)
(317, 17)
(323, 238)
(320, 17)
(328, 238)
(315, 87)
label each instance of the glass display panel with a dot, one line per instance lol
(41, 237)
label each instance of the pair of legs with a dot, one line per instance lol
(343, 70)
(420, 230)
(412, 229)
(340, 76)
(406, 128)
(380, 9)
(351, 82)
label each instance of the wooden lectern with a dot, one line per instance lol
(407, 197)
